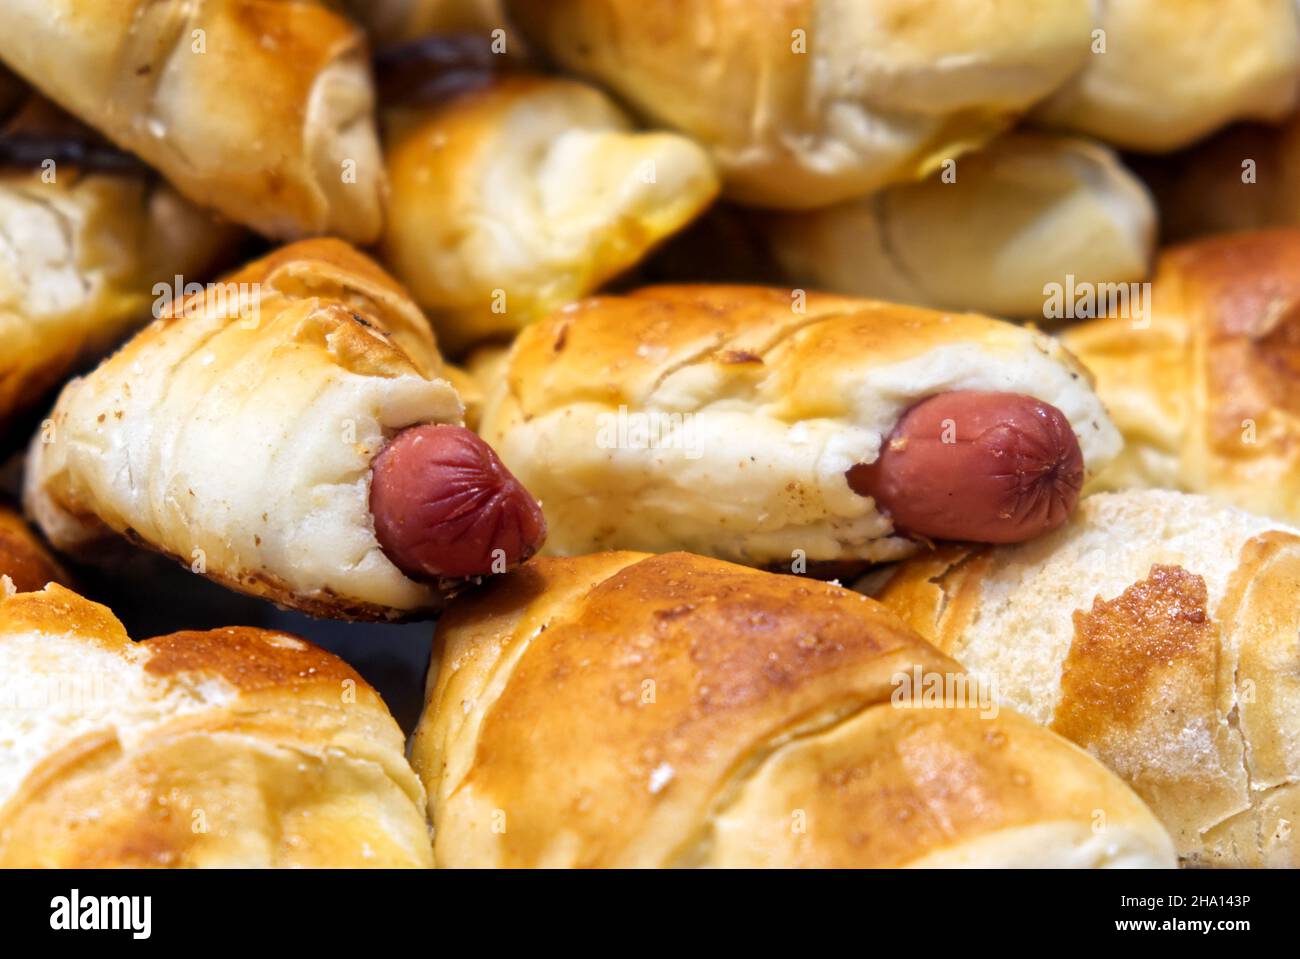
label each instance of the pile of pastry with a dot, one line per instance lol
(779, 410)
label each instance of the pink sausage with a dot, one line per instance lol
(446, 507)
(975, 465)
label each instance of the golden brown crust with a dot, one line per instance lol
(234, 747)
(1208, 395)
(247, 658)
(335, 271)
(808, 102)
(1244, 291)
(642, 336)
(893, 785)
(521, 194)
(1260, 606)
(55, 609)
(199, 800)
(1144, 669)
(1179, 673)
(23, 557)
(934, 592)
(263, 111)
(624, 709)
(1153, 628)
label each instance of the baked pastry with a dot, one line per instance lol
(1201, 379)
(235, 747)
(628, 710)
(24, 560)
(772, 426)
(1157, 630)
(288, 433)
(811, 102)
(518, 196)
(1167, 72)
(84, 235)
(990, 234)
(261, 111)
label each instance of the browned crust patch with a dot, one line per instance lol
(1142, 687)
(58, 611)
(23, 558)
(1247, 288)
(1122, 646)
(248, 658)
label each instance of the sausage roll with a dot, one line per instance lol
(263, 111)
(809, 102)
(24, 560)
(1157, 630)
(84, 235)
(287, 433)
(764, 425)
(989, 234)
(1167, 72)
(627, 710)
(235, 747)
(517, 197)
(1203, 381)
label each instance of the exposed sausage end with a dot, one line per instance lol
(980, 466)
(446, 507)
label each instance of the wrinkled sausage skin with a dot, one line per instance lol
(974, 465)
(446, 507)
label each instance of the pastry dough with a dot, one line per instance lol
(1158, 630)
(631, 711)
(235, 747)
(1203, 382)
(263, 111)
(804, 103)
(236, 434)
(80, 252)
(1172, 71)
(517, 197)
(24, 560)
(991, 235)
(722, 420)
